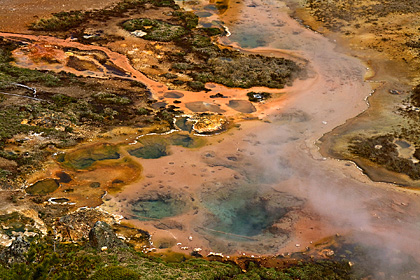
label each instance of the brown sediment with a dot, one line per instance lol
(276, 156)
(118, 59)
(339, 199)
(55, 52)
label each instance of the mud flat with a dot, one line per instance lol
(280, 155)
(55, 49)
(261, 187)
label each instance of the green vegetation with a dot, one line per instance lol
(156, 30)
(200, 41)
(115, 273)
(11, 118)
(248, 71)
(60, 21)
(227, 67)
(62, 100)
(205, 62)
(189, 19)
(319, 270)
(211, 31)
(143, 111)
(10, 123)
(48, 259)
(196, 85)
(54, 118)
(43, 261)
(165, 116)
(382, 150)
(64, 21)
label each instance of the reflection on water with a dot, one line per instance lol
(250, 188)
(250, 36)
(244, 212)
(86, 157)
(43, 187)
(403, 144)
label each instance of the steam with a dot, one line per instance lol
(376, 217)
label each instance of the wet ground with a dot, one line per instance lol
(262, 187)
(281, 156)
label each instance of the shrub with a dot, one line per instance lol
(212, 31)
(196, 85)
(111, 98)
(62, 100)
(115, 273)
(59, 21)
(143, 111)
(159, 31)
(189, 18)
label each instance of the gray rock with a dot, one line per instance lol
(15, 253)
(102, 236)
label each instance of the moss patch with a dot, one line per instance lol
(54, 260)
(382, 150)
(156, 30)
(248, 71)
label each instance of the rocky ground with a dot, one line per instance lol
(61, 133)
(78, 130)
